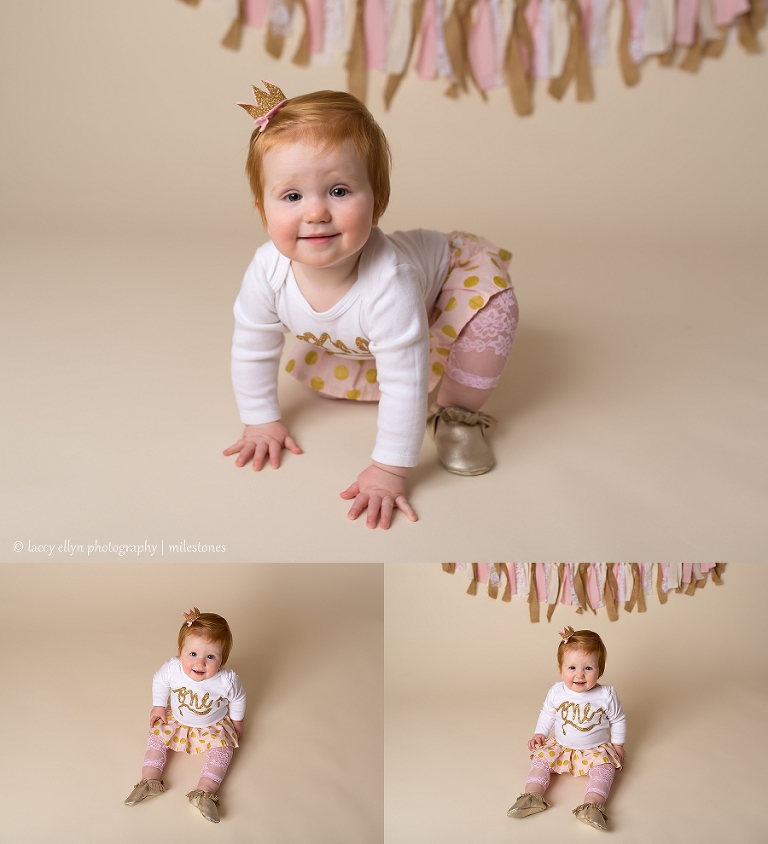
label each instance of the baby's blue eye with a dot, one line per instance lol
(339, 192)
(211, 656)
(192, 653)
(293, 197)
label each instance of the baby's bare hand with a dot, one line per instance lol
(380, 492)
(158, 713)
(260, 442)
(536, 741)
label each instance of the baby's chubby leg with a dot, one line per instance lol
(600, 781)
(479, 354)
(475, 362)
(217, 761)
(154, 758)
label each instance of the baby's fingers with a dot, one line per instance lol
(352, 491)
(358, 505)
(233, 449)
(401, 502)
(292, 445)
(246, 452)
(374, 506)
(387, 506)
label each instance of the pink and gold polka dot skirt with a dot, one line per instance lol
(566, 760)
(478, 271)
(185, 739)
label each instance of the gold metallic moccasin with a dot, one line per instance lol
(459, 436)
(593, 814)
(144, 789)
(207, 803)
(527, 804)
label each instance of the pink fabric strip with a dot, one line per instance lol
(316, 16)
(256, 13)
(541, 583)
(586, 18)
(687, 17)
(482, 572)
(537, 13)
(512, 571)
(426, 63)
(595, 598)
(375, 27)
(705, 567)
(687, 571)
(727, 10)
(531, 13)
(482, 50)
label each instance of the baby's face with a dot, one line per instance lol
(318, 204)
(579, 670)
(200, 659)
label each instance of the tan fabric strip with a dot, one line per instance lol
(472, 590)
(699, 579)
(520, 85)
(640, 594)
(191, 2)
(533, 599)
(668, 58)
(551, 607)
(582, 572)
(507, 596)
(456, 34)
(493, 588)
(747, 34)
(692, 58)
(449, 567)
(691, 588)
(234, 37)
(610, 587)
(659, 580)
(357, 73)
(301, 56)
(715, 49)
(394, 79)
(576, 62)
(717, 572)
(578, 586)
(629, 70)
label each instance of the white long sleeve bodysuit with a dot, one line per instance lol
(582, 719)
(384, 315)
(198, 703)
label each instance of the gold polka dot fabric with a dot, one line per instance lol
(477, 272)
(196, 739)
(564, 760)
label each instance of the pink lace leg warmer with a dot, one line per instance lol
(539, 774)
(217, 761)
(480, 352)
(155, 754)
(600, 780)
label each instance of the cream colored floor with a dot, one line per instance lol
(466, 678)
(85, 640)
(632, 416)
(634, 411)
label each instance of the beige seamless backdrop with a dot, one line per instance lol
(85, 641)
(466, 678)
(632, 416)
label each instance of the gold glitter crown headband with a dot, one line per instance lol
(192, 615)
(268, 103)
(566, 633)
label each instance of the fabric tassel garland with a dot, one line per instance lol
(469, 42)
(588, 586)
